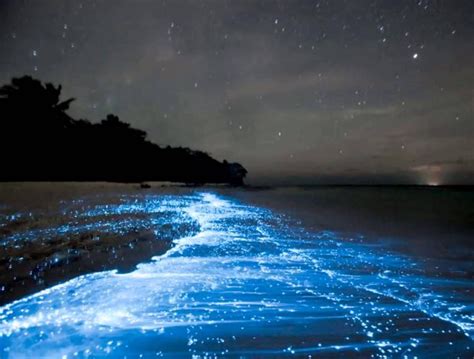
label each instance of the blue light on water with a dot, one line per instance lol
(248, 283)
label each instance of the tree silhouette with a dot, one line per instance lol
(26, 96)
(40, 141)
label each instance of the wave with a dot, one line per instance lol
(249, 283)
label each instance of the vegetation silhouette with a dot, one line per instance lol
(39, 141)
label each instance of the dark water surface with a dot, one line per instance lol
(267, 273)
(426, 221)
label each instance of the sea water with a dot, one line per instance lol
(251, 283)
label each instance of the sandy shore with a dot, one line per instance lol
(48, 236)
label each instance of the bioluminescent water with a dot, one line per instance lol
(248, 282)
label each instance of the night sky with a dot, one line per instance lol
(296, 91)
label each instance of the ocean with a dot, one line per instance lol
(229, 272)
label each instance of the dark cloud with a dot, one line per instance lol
(341, 91)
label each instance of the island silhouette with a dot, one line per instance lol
(40, 141)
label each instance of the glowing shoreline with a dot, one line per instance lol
(247, 284)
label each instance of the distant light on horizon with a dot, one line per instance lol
(431, 175)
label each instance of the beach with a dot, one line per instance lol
(100, 269)
(54, 232)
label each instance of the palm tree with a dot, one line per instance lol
(27, 102)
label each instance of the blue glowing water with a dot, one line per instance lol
(249, 283)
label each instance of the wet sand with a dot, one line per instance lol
(48, 233)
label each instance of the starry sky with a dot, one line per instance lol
(299, 92)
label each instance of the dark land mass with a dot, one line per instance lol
(39, 141)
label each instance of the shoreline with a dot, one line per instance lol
(53, 257)
(43, 266)
(50, 234)
(252, 266)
